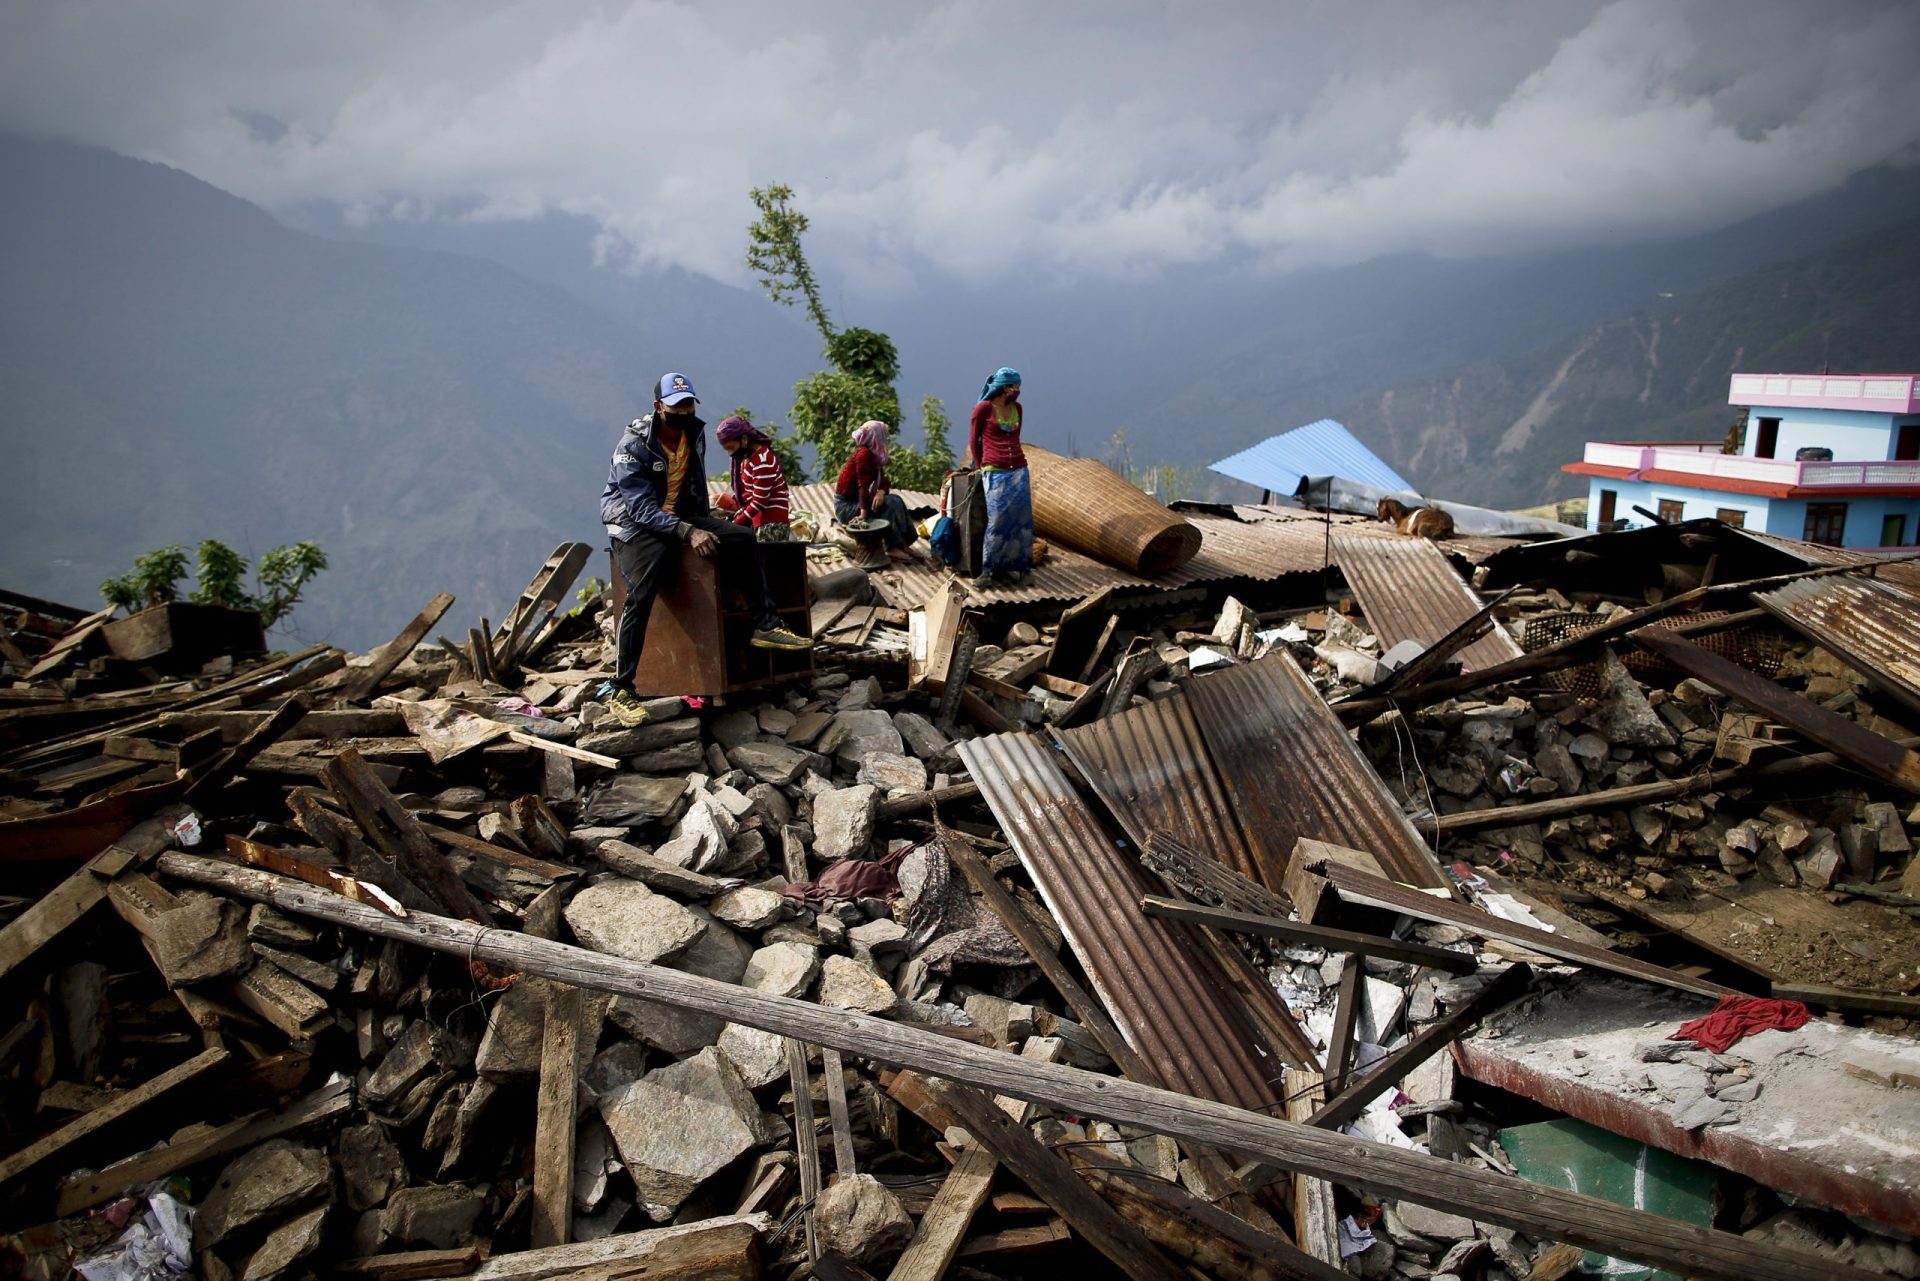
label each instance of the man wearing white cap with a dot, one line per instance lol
(655, 500)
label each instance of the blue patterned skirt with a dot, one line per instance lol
(1009, 543)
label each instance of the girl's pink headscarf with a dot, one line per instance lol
(873, 435)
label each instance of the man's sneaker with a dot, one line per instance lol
(779, 638)
(627, 709)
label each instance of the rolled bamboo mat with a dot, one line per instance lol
(1085, 505)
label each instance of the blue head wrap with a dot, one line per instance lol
(1002, 379)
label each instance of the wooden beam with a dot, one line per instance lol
(1638, 793)
(1197, 1231)
(268, 732)
(1052, 1180)
(899, 807)
(112, 1110)
(1839, 734)
(1373, 891)
(835, 1073)
(1570, 649)
(556, 1114)
(67, 902)
(1840, 998)
(806, 1141)
(1350, 941)
(1485, 1196)
(567, 750)
(720, 1249)
(942, 1228)
(1352, 1100)
(398, 836)
(79, 1192)
(363, 684)
(1346, 1011)
(1316, 1220)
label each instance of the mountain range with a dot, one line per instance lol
(434, 402)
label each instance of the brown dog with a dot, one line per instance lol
(1420, 522)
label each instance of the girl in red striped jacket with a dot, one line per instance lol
(759, 483)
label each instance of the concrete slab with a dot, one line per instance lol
(1812, 1130)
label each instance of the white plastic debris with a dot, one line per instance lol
(155, 1247)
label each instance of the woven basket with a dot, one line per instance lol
(1084, 505)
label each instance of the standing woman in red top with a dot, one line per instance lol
(862, 493)
(994, 447)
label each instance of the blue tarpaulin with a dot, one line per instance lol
(1323, 448)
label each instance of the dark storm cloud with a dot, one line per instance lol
(979, 138)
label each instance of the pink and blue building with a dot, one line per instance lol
(1829, 458)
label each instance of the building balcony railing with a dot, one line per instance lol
(1706, 462)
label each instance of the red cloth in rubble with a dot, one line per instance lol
(853, 878)
(1738, 1016)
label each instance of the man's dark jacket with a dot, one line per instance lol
(636, 492)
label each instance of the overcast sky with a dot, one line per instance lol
(991, 140)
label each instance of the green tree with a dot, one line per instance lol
(284, 571)
(154, 580)
(924, 468)
(282, 574)
(219, 574)
(828, 407)
(773, 252)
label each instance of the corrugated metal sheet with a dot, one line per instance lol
(1873, 626)
(1259, 544)
(1318, 449)
(1410, 591)
(1150, 766)
(1166, 995)
(1290, 770)
(1473, 549)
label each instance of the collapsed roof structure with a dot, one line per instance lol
(1330, 903)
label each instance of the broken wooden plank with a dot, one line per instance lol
(1637, 793)
(1346, 1010)
(67, 902)
(398, 836)
(1203, 1235)
(567, 750)
(943, 1227)
(555, 1111)
(1352, 1100)
(269, 731)
(1373, 891)
(362, 684)
(184, 1151)
(1316, 1220)
(1570, 649)
(1486, 1197)
(806, 1141)
(838, 1122)
(415, 1265)
(11, 1167)
(719, 1249)
(1052, 1180)
(1838, 998)
(898, 807)
(1351, 941)
(1839, 734)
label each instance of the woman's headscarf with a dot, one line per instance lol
(873, 435)
(1002, 379)
(732, 429)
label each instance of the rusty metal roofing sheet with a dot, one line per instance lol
(1150, 766)
(1872, 625)
(1473, 549)
(1290, 770)
(1410, 591)
(1166, 995)
(1259, 544)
